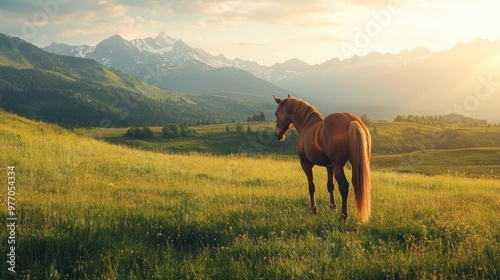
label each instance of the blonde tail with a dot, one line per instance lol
(360, 148)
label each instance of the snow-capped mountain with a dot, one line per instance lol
(170, 63)
(160, 44)
(161, 47)
(64, 49)
(174, 54)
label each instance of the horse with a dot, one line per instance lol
(329, 142)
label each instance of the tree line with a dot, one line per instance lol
(170, 131)
(257, 118)
(450, 119)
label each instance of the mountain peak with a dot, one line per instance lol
(221, 57)
(180, 46)
(164, 40)
(115, 37)
(56, 45)
(161, 34)
(294, 63)
(421, 51)
(115, 40)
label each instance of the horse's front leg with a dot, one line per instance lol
(330, 186)
(307, 167)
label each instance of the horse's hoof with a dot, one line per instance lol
(333, 207)
(344, 217)
(314, 210)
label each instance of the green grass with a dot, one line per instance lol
(471, 162)
(431, 150)
(11, 59)
(397, 138)
(88, 209)
(213, 139)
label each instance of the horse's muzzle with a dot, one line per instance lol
(280, 136)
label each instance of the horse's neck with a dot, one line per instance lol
(303, 124)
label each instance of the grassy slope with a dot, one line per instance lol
(88, 209)
(29, 56)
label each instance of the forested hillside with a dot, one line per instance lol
(77, 92)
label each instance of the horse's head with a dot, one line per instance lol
(283, 121)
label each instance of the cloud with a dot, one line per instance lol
(57, 20)
(175, 6)
(19, 6)
(182, 6)
(262, 11)
(218, 13)
(371, 3)
(251, 44)
(58, 11)
(50, 7)
(283, 12)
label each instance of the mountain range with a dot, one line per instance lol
(170, 63)
(463, 79)
(74, 91)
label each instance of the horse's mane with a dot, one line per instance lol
(301, 109)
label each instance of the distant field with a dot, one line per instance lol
(87, 209)
(399, 137)
(401, 147)
(213, 139)
(472, 162)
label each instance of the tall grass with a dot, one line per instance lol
(88, 209)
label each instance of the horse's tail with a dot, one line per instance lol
(360, 148)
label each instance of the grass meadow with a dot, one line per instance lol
(92, 210)
(400, 147)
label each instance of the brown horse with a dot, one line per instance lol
(330, 142)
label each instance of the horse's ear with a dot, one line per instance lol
(289, 96)
(277, 99)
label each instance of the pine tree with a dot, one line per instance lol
(262, 117)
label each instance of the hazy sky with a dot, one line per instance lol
(264, 31)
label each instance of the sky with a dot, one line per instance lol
(265, 31)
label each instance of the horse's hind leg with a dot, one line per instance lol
(307, 167)
(330, 186)
(343, 187)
